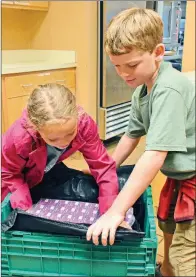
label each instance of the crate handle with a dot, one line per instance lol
(20, 234)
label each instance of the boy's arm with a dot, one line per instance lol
(124, 148)
(135, 130)
(144, 172)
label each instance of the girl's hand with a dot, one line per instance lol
(106, 226)
(21, 198)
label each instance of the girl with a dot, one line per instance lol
(50, 130)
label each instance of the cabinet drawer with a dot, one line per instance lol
(15, 107)
(65, 77)
(39, 4)
(23, 84)
(20, 85)
(26, 5)
(7, 2)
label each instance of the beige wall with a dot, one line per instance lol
(188, 63)
(72, 25)
(15, 33)
(68, 25)
(19, 27)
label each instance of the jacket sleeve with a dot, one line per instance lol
(101, 165)
(12, 177)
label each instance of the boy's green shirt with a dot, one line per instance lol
(167, 117)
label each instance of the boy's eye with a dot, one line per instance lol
(132, 65)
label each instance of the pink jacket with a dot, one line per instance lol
(24, 156)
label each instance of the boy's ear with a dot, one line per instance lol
(159, 52)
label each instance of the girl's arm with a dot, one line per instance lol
(13, 181)
(101, 165)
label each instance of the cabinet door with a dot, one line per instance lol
(23, 84)
(16, 89)
(64, 77)
(26, 5)
(33, 5)
(42, 5)
(2, 123)
(23, 3)
(19, 85)
(15, 107)
(7, 2)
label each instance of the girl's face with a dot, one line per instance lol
(59, 134)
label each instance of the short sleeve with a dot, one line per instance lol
(167, 130)
(135, 127)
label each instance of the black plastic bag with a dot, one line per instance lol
(69, 184)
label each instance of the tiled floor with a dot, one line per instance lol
(77, 161)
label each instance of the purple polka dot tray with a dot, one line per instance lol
(70, 211)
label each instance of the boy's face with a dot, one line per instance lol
(137, 68)
(59, 135)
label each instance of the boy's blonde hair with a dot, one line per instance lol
(50, 104)
(137, 28)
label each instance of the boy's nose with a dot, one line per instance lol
(124, 74)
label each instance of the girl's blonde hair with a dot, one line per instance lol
(50, 104)
(137, 28)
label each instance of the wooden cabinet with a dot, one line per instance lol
(7, 3)
(17, 87)
(26, 5)
(42, 5)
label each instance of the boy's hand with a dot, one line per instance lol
(106, 226)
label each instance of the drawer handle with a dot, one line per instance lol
(60, 81)
(43, 74)
(27, 85)
(24, 3)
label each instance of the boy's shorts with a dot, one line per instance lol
(182, 252)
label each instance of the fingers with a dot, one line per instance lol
(93, 233)
(95, 237)
(126, 225)
(90, 232)
(104, 237)
(105, 226)
(112, 235)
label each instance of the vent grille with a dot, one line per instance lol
(116, 120)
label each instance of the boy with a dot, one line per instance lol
(163, 109)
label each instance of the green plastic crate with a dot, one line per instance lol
(36, 254)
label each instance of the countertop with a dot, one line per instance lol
(20, 61)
